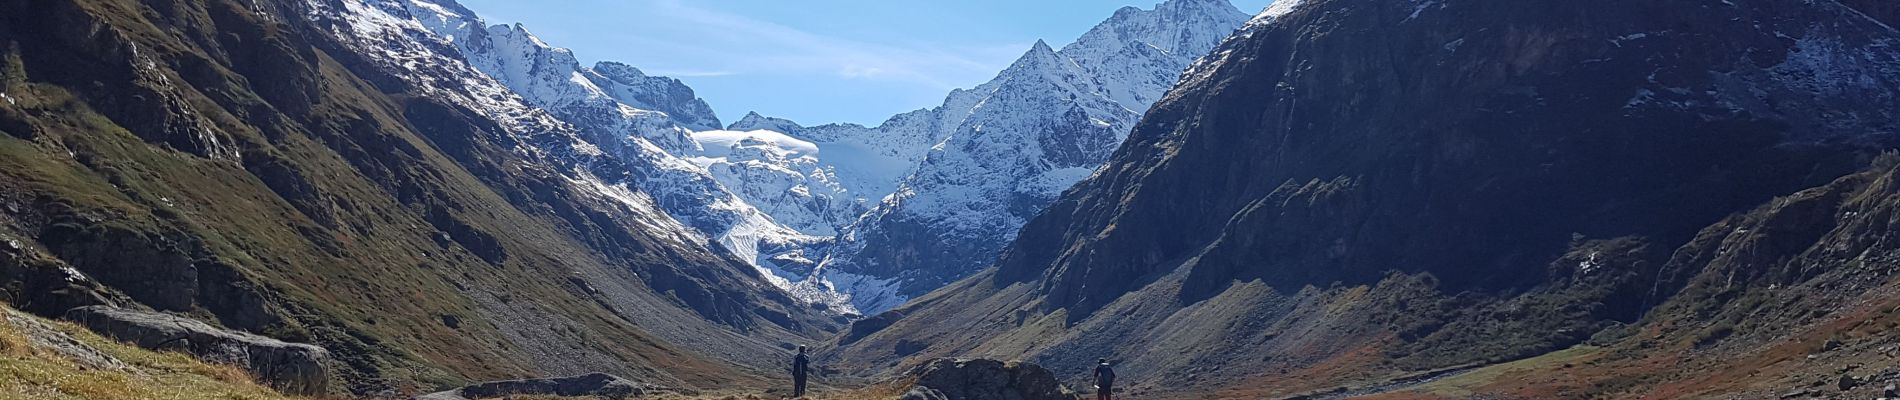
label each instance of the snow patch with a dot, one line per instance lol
(1419, 7)
(1618, 41)
(1454, 45)
(1279, 8)
(1591, 264)
(721, 143)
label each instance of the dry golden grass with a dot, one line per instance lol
(12, 343)
(29, 373)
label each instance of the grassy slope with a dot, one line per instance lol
(1774, 311)
(31, 372)
(328, 226)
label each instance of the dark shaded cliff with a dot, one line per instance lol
(1350, 191)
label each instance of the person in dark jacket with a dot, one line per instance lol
(800, 366)
(1104, 381)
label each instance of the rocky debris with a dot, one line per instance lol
(595, 384)
(1800, 394)
(979, 379)
(292, 368)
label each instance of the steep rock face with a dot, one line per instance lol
(1669, 109)
(1353, 188)
(316, 172)
(1002, 151)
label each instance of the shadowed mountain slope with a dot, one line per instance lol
(1352, 191)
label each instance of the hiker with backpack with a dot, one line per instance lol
(801, 366)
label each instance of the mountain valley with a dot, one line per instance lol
(1413, 199)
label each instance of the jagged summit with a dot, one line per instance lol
(668, 95)
(753, 121)
(1040, 55)
(1040, 46)
(1172, 26)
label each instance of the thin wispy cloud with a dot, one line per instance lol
(781, 49)
(688, 73)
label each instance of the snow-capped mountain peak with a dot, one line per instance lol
(1002, 151)
(1169, 37)
(635, 88)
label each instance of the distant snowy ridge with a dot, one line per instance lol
(951, 184)
(853, 217)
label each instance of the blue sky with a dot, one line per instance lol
(813, 61)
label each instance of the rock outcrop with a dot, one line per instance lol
(289, 367)
(42, 335)
(595, 385)
(980, 379)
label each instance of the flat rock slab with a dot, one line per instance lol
(292, 368)
(595, 384)
(44, 336)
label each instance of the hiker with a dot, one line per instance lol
(800, 365)
(1104, 381)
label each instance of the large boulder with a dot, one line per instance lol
(979, 379)
(593, 385)
(291, 368)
